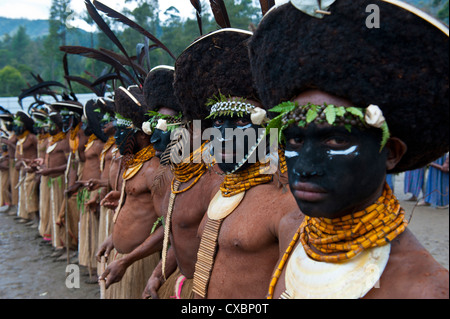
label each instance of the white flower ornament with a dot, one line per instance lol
(374, 116)
(257, 115)
(162, 125)
(147, 128)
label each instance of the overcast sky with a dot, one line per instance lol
(40, 9)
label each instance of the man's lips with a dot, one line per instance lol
(308, 192)
(226, 155)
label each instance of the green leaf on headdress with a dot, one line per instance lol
(330, 114)
(340, 111)
(98, 110)
(276, 122)
(118, 116)
(311, 115)
(348, 127)
(355, 111)
(220, 98)
(284, 107)
(384, 127)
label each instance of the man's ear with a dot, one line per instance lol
(396, 148)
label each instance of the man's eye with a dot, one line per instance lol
(295, 142)
(218, 122)
(337, 141)
(242, 122)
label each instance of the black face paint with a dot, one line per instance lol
(234, 147)
(333, 172)
(125, 140)
(18, 129)
(54, 129)
(84, 126)
(160, 140)
(67, 122)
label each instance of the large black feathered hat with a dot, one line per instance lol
(55, 117)
(94, 117)
(39, 114)
(158, 89)
(72, 106)
(400, 64)
(215, 63)
(26, 120)
(5, 115)
(130, 104)
(106, 105)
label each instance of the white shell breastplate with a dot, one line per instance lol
(309, 279)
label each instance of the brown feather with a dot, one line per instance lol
(266, 5)
(125, 61)
(198, 12)
(220, 13)
(107, 30)
(100, 56)
(120, 17)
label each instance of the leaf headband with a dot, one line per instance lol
(122, 121)
(348, 117)
(223, 106)
(162, 122)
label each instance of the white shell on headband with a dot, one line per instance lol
(374, 116)
(162, 125)
(257, 115)
(147, 128)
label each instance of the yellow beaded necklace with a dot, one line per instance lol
(74, 140)
(341, 239)
(132, 167)
(110, 142)
(20, 140)
(184, 172)
(90, 142)
(243, 180)
(44, 136)
(57, 137)
(135, 163)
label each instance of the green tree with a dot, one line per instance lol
(20, 44)
(59, 14)
(443, 9)
(12, 81)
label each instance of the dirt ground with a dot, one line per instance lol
(28, 271)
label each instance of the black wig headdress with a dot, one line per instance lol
(402, 66)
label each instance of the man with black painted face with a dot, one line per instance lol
(11, 141)
(89, 200)
(135, 218)
(187, 184)
(26, 152)
(352, 103)
(53, 165)
(68, 220)
(109, 177)
(40, 117)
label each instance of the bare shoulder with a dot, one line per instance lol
(411, 272)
